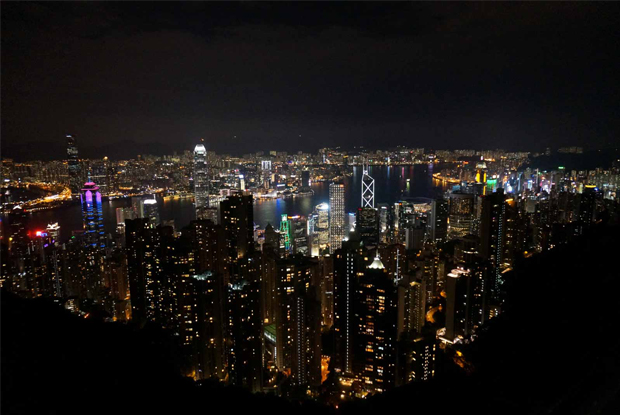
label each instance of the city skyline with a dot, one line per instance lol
(310, 207)
(387, 285)
(69, 144)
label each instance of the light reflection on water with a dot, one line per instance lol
(390, 186)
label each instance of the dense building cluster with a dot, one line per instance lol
(336, 304)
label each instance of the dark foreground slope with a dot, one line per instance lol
(54, 362)
(555, 350)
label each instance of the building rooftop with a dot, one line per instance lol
(376, 264)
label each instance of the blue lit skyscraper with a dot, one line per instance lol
(92, 215)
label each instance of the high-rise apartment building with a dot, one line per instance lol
(144, 268)
(466, 300)
(462, 214)
(237, 218)
(438, 222)
(298, 320)
(205, 299)
(411, 306)
(200, 269)
(493, 235)
(245, 324)
(587, 208)
(375, 346)
(349, 261)
(416, 359)
(305, 180)
(336, 216)
(208, 242)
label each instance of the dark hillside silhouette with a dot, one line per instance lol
(554, 350)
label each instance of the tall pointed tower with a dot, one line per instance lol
(368, 188)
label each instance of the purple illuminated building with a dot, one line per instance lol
(92, 215)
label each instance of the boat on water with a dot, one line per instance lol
(308, 192)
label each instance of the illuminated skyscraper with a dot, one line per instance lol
(285, 232)
(266, 165)
(272, 240)
(305, 179)
(322, 224)
(438, 223)
(318, 229)
(349, 262)
(298, 321)
(368, 189)
(416, 359)
(244, 293)
(462, 214)
(299, 234)
(336, 216)
(150, 251)
(466, 299)
(151, 211)
(367, 225)
(92, 215)
(458, 303)
(245, 327)
(266, 172)
(411, 306)
(493, 235)
(376, 331)
(237, 218)
(587, 208)
(201, 181)
(384, 214)
(123, 214)
(73, 165)
(53, 231)
(205, 293)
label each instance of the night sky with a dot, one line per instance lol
(151, 77)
